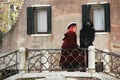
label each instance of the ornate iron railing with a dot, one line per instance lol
(108, 62)
(8, 65)
(49, 59)
(38, 60)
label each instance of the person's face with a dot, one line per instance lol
(75, 28)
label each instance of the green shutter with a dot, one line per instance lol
(85, 13)
(49, 19)
(107, 17)
(30, 20)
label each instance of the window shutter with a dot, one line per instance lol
(107, 17)
(85, 13)
(49, 19)
(30, 20)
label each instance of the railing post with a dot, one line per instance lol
(91, 58)
(106, 61)
(22, 60)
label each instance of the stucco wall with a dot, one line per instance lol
(115, 25)
(63, 12)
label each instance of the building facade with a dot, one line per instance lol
(42, 23)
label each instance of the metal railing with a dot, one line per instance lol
(8, 65)
(108, 62)
(38, 60)
(50, 59)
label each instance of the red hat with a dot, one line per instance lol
(71, 24)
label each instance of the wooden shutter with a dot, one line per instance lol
(30, 20)
(49, 19)
(107, 17)
(85, 13)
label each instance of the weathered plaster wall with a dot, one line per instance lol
(115, 25)
(63, 12)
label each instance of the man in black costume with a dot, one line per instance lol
(87, 35)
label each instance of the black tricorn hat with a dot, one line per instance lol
(71, 24)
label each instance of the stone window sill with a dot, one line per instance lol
(41, 35)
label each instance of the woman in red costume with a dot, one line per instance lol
(69, 58)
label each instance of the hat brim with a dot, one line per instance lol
(71, 24)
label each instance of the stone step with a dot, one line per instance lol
(77, 78)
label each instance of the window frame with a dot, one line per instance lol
(32, 19)
(36, 27)
(86, 14)
(97, 7)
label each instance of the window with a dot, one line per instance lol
(42, 21)
(39, 20)
(99, 14)
(98, 17)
